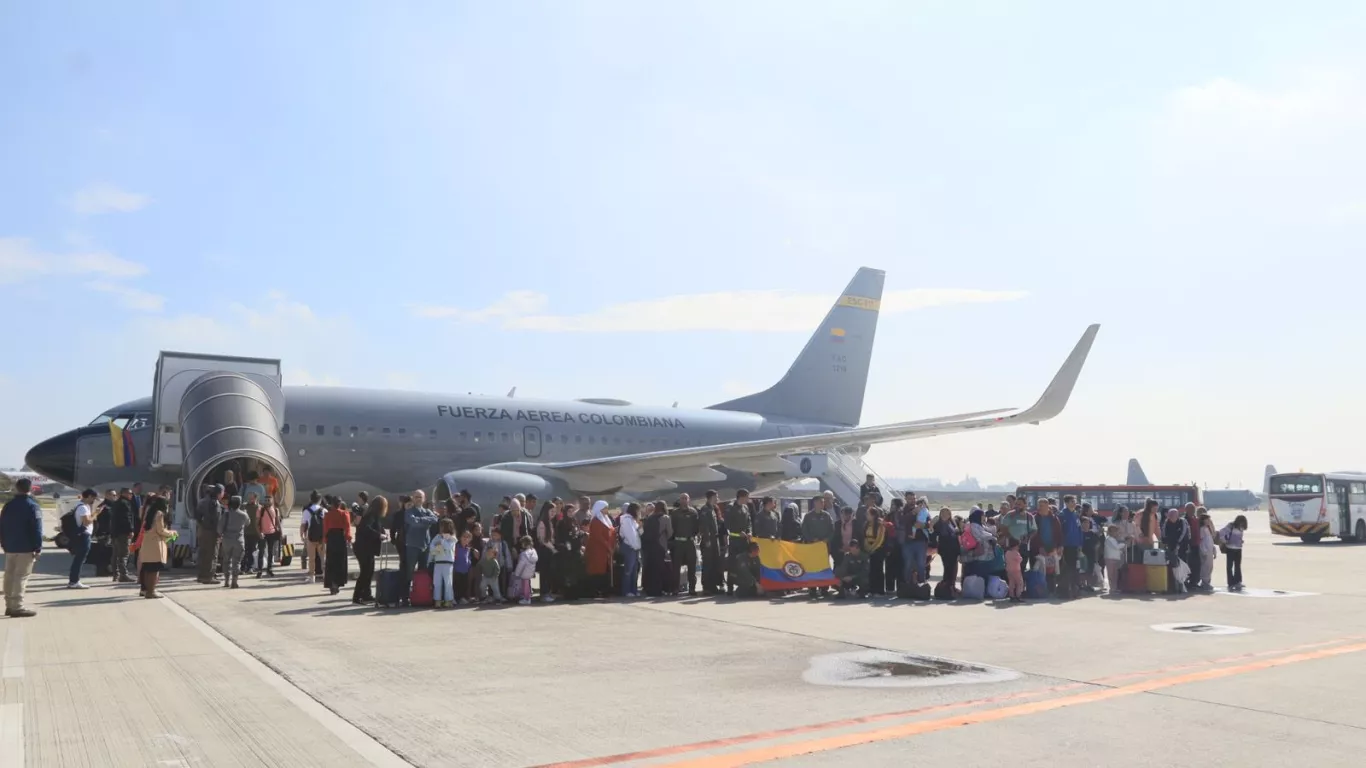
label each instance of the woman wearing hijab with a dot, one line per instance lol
(337, 534)
(545, 550)
(790, 528)
(658, 530)
(569, 554)
(602, 543)
(369, 542)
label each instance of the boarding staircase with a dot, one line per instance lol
(845, 473)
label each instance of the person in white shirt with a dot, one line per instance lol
(79, 544)
(629, 536)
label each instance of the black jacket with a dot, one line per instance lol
(122, 521)
(368, 536)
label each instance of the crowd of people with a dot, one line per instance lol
(572, 549)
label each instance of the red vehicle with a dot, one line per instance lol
(1104, 498)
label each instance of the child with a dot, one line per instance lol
(491, 570)
(464, 562)
(1093, 553)
(1115, 547)
(526, 568)
(1014, 573)
(442, 551)
(746, 572)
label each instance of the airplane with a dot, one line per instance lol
(1227, 498)
(211, 413)
(39, 483)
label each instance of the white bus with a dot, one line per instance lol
(1312, 506)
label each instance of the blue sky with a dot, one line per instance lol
(458, 197)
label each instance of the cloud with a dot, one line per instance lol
(773, 311)
(20, 260)
(313, 348)
(102, 197)
(130, 298)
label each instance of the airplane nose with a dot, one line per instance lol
(55, 458)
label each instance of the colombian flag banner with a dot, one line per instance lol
(788, 565)
(122, 444)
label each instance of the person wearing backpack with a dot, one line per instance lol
(312, 531)
(79, 526)
(21, 539)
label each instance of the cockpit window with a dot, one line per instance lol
(130, 422)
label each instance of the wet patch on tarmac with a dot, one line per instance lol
(1247, 592)
(890, 669)
(1192, 628)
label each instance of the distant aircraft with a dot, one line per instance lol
(1214, 499)
(40, 484)
(210, 413)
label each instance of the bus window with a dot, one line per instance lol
(1296, 484)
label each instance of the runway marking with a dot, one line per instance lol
(13, 663)
(854, 721)
(780, 751)
(800, 729)
(365, 745)
(12, 734)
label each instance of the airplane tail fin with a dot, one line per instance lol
(1266, 478)
(1136, 474)
(826, 383)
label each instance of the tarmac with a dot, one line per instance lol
(278, 673)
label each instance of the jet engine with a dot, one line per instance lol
(488, 486)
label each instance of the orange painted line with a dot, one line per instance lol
(778, 752)
(801, 729)
(1225, 660)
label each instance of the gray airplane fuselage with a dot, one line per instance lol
(344, 440)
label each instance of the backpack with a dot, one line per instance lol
(966, 541)
(69, 528)
(315, 523)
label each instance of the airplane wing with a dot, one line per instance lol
(693, 464)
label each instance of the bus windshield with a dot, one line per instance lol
(1297, 485)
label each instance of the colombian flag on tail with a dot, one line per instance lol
(122, 444)
(787, 565)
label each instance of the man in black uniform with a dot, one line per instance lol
(738, 526)
(869, 487)
(712, 530)
(766, 519)
(684, 544)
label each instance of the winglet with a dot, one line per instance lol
(1055, 398)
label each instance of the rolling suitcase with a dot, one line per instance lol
(1155, 570)
(421, 595)
(1134, 578)
(388, 585)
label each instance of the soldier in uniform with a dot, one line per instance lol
(817, 526)
(712, 530)
(766, 521)
(853, 572)
(738, 526)
(745, 569)
(684, 546)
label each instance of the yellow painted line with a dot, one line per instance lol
(826, 744)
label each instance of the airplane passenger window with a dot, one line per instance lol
(320, 430)
(476, 437)
(491, 437)
(369, 431)
(505, 437)
(385, 431)
(516, 437)
(355, 431)
(462, 437)
(402, 430)
(284, 430)
(564, 439)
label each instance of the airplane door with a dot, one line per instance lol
(531, 442)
